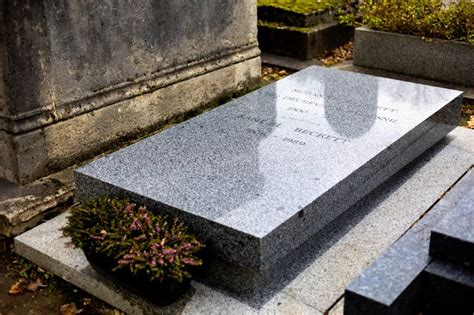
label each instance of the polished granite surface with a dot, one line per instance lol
(260, 161)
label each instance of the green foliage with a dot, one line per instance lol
(427, 18)
(135, 238)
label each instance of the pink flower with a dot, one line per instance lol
(97, 237)
(129, 208)
(169, 251)
(135, 226)
(140, 238)
(155, 246)
(189, 261)
(157, 228)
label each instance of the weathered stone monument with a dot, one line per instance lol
(76, 76)
(259, 176)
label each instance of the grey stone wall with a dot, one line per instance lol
(78, 75)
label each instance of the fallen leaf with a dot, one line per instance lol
(34, 285)
(69, 309)
(17, 288)
(86, 301)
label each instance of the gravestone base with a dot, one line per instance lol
(81, 137)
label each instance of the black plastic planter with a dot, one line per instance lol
(160, 293)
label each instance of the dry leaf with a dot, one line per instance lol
(86, 301)
(17, 288)
(34, 285)
(69, 309)
(340, 54)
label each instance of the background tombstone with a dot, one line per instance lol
(79, 76)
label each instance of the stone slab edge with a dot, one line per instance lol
(23, 207)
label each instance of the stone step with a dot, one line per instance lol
(449, 288)
(259, 176)
(453, 237)
(327, 267)
(393, 284)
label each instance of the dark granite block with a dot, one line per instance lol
(453, 237)
(394, 283)
(448, 289)
(259, 176)
(307, 43)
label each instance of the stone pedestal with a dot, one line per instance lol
(78, 76)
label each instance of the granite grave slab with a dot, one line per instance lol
(367, 229)
(260, 175)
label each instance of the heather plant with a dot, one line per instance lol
(427, 18)
(136, 239)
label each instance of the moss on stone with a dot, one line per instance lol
(284, 27)
(300, 6)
